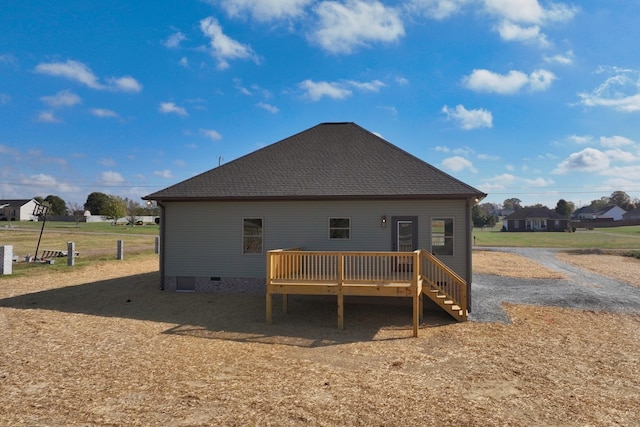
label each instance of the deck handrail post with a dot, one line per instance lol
(416, 291)
(268, 284)
(340, 292)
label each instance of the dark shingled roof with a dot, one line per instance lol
(15, 203)
(327, 161)
(535, 212)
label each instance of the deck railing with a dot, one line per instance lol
(398, 274)
(438, 275)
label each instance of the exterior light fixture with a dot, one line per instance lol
(383, 221)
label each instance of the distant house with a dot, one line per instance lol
(608, 213)
(18, 210)
(632, 214)
(612, 213)
(333, 187)
(585, 212)
(535, 219)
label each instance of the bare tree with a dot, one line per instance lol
(77, 210)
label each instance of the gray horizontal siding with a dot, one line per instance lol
(205, 238)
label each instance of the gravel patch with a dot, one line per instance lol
(580, 289)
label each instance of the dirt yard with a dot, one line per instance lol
(101, 345)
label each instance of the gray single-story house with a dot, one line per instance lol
(333, 187)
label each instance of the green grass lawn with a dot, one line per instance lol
(600, 238)
(92, 240)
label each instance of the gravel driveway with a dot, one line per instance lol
(581, 289)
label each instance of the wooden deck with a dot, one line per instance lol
(387, 274)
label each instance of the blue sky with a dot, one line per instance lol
(519, 98)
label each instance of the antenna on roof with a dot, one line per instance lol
(220, 159)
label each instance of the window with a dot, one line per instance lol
(442, 236)
(339, 228)
(252, 236)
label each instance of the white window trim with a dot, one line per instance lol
(337, 228)
(453, 237)
(261, 236)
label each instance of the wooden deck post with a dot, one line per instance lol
(269, 299)
(416, 290)
(269, 307)
(340, 293)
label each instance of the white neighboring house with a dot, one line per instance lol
(18, 210)
(613, 213)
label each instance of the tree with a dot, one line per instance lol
(133, 210)
(96, 203)
(115, 208)
(599, 204)
(512, 203)
(565, 208)
(481, 218)
(58, 206)
(620, 198)
(77, 211)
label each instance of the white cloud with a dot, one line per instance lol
(171, 108)
(265, 10)
(469, 119)
(222, 47)
(539, 182)
(620, 155)
(510, 31)
(587, 160)
(337, 90)
(107, 161)
(81, 73)
(506, 84)
(457, 164)
(174, 40)
(268, 107)
(372, 86)
(184, 62)
(436, 9)
(47, 117)
(343, 27)
(580, 139)
(522, 20)
(166, 173)
(619, 92)
(72, 70)
(624, 174)
(125, 84)
(103, 112)
(565, 59)
(111, 178)
(43, 183)
(63, 98)
(316, 90)
(211, 134)
(615, 141)
(530, 11)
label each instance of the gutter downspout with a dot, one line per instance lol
(469, 237)
(162, 243)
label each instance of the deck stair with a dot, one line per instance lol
(443, 286)
(445, 302)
